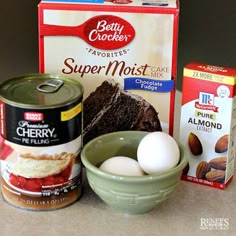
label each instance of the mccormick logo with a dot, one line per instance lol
(33, 116)
(106, 32)
(206, 102)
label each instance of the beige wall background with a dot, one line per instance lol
(207, 33)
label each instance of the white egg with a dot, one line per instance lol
(122, 165)
(157, 152)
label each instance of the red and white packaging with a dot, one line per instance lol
(208, 124)
(131, 42)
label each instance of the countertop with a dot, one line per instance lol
(188, 211)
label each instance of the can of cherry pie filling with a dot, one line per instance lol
(40, 142)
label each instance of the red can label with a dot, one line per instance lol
(40, 167)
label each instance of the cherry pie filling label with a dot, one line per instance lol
(41, 169)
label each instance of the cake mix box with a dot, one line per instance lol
(208, 124)
(124, 54)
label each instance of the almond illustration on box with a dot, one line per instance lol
(194, 144)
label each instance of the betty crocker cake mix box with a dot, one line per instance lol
(124, 54)
(208, 123)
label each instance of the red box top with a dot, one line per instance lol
(225, 71)
(141, 6)
(148, 3)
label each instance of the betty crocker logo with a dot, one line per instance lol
(108, 32)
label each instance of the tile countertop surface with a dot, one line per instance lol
(182, 214)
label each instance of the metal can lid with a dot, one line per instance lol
(41, 91)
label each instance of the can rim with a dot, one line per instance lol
(43, 75)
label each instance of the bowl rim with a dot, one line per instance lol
(149, 177)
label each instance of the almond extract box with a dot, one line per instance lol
(208, 123)
(123, 52)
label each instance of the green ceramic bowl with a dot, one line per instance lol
(129, 194)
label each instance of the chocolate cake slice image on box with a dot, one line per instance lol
(109, 108)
